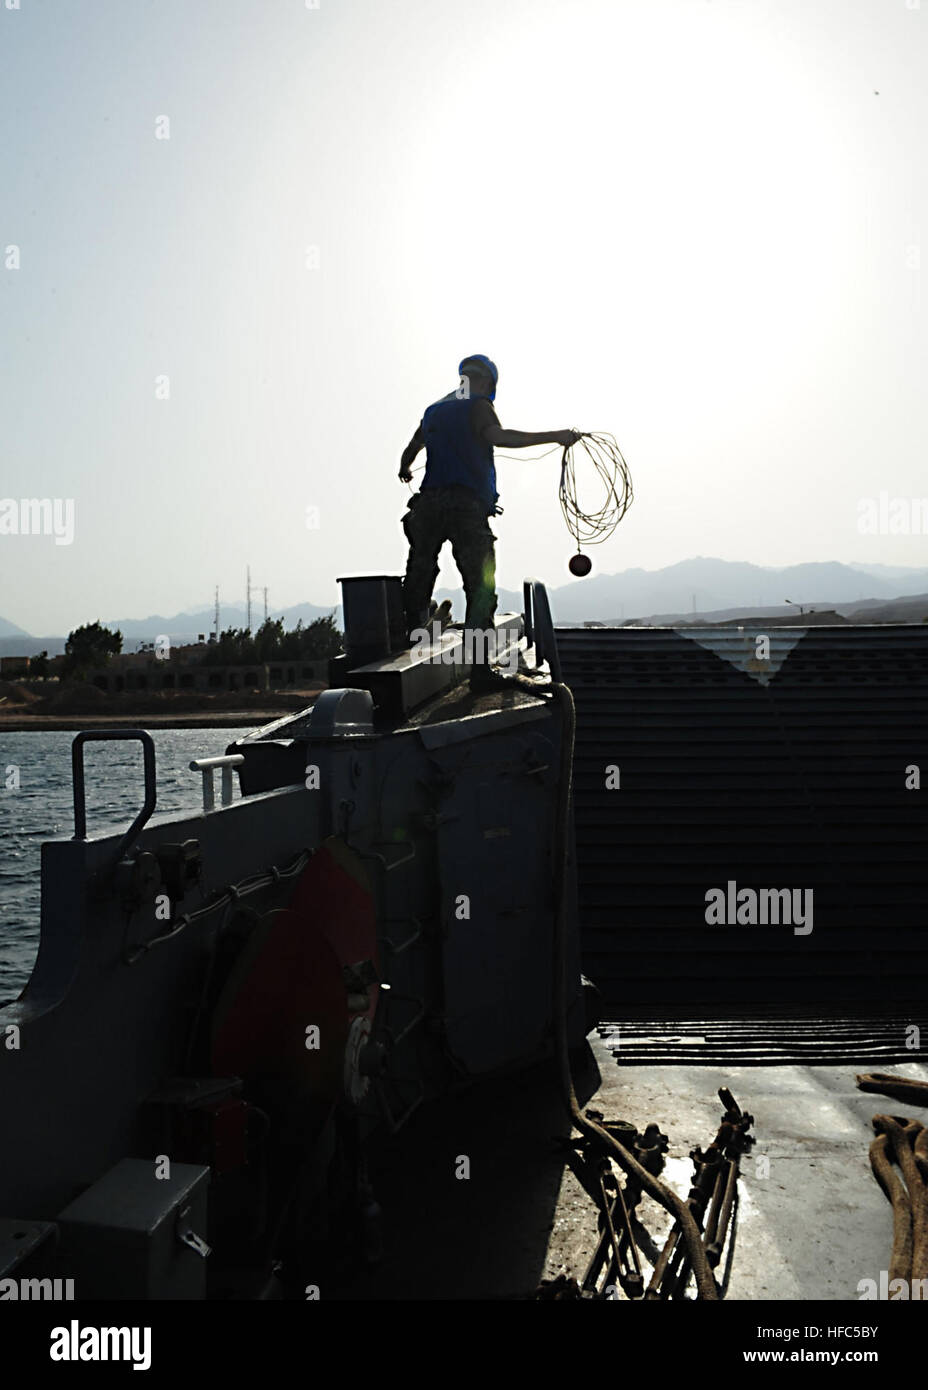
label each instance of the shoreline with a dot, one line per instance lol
(74, 723)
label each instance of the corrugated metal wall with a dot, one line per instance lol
(793, 777)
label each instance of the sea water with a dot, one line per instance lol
(36, 804)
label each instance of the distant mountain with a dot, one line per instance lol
(891, 572)
(699, 586)
(181, 628)
(187, 626)
(705, 585)
(31, 646)
(910, 609)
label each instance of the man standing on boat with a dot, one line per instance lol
(458, 492)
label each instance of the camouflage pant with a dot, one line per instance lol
(455, 514)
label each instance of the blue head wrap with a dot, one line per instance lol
(490, 366)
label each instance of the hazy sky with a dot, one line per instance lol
(690, 223)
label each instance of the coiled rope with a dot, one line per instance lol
(587, 528)
(594, 527)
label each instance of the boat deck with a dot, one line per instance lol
(813, 1227)
(460, 702)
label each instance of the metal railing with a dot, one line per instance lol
(208, 766)
(77, 775)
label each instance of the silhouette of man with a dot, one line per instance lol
(458, 492)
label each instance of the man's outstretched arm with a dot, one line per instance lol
(488, 428)
(520, 439)
(409, 455)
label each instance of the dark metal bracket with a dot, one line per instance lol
(539, 627)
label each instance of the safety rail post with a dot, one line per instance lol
(207, 766)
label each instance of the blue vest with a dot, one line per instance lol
(455, 457)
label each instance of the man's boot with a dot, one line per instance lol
(415, 622)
